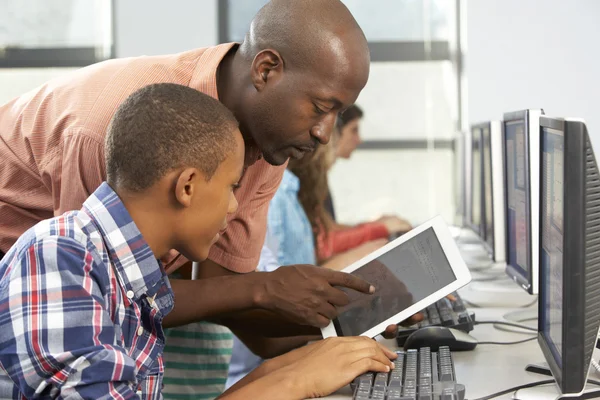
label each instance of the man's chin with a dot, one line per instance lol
(276, 159)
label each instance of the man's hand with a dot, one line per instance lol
(392, 331)
(305, 294)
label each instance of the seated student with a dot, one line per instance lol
(342, 237)
(83, 295)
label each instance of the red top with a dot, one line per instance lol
(341, 240)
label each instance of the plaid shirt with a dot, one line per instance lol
(82, 298)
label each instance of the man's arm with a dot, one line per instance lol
(266, 348)
(302, 294)
(69, 350)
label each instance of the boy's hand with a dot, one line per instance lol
(306, 294)
(325, 366)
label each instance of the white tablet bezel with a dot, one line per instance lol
(459, 268)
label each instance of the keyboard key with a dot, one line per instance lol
(418, 375)
(381, 379)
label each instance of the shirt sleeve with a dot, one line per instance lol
(77, 172)
(239, 247)
(57, 336)
(339, 241)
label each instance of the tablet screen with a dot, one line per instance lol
(402, 276)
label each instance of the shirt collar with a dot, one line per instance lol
(204, 77)
(136, 266)
(290, 181)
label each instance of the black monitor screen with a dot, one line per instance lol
(551, 256)
(517, 194)
(488, 211)
(476, 176)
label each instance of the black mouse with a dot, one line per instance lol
(436, 336)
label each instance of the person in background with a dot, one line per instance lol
(346, 139)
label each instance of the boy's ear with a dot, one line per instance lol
(188, 183)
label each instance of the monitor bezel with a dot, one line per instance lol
(489, 247)
(499, 251)
(571, 377)
(518, 274)
(477, 228)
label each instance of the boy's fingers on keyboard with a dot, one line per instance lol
(391, 355)
(369, 365)
(373, 354)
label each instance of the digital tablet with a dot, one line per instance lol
(409, 274)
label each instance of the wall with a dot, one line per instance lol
(532, 54)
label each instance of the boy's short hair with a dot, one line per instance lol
(162, 127)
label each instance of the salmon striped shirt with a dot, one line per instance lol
(52, 148)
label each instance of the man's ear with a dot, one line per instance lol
(189, 182)
(266, 66)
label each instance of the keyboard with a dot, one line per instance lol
(452, 314)
(417, 374)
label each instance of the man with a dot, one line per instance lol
(83, 293)
(301, 63)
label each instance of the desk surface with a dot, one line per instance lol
(488, 368)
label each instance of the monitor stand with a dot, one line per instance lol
(551, 391)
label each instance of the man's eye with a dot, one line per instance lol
(318, 110)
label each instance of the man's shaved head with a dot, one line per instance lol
(305, 31)
(308, 60)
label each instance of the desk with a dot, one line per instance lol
(488, 368)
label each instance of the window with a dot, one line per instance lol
(55, 33)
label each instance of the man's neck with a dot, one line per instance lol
(228, 79)
(231, 75)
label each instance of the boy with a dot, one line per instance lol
(82, 296)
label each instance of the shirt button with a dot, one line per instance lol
(130, 294)
(140, 331)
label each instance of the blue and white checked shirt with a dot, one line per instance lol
(82, 299)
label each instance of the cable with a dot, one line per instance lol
(509, 343)
(527, 328)
(516, 388)
(530, 304)
(530, 385)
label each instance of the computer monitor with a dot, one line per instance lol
(459, 173)
(569, 295)
(475, 219)
(521, 205)
(493, 190)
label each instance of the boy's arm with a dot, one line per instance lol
(57, 336)
(313, 371)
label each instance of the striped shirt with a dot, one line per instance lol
(82, 299)
(52, 148)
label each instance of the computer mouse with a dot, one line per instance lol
(436, 336)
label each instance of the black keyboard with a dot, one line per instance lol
(417, 374)
(452, 314)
